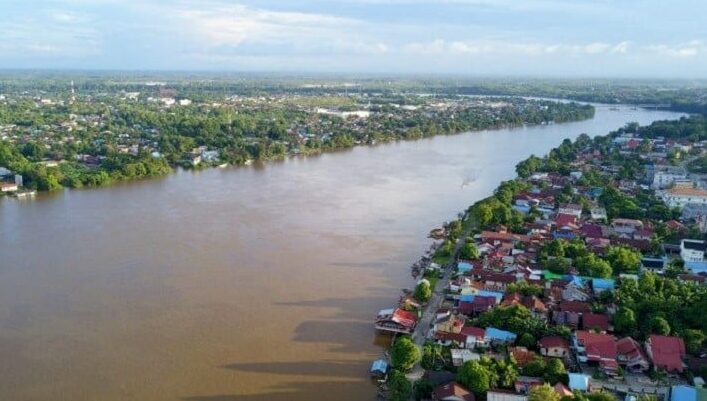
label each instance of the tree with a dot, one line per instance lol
(526, 340)
(591, 265)
(423, 291)
(400, 387)
(404, 354)
(469, 251)
(555, 371)
(483, 213)
(625, 321)
(693, 340)
(600, 396)
(558, 265)
(623, 259)
(475, 377)
(659, 326)
(554, 248)
(543, 393)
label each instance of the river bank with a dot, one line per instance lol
(251, 284)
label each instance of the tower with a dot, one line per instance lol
(73, 92)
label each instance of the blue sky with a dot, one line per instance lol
(598, 38)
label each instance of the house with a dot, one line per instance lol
(464, 267)
(452, 392)
(579, 382)
(653, 264)
(523, 384)
(666, 352)
(630, 354)
(626, 226)
(680, 197)
(450, 339)
(570, 208)
(8, 187)
(479, 304)
(602, 284)
(379, 368)
(396, 321)
(684, 393)
(503, 395)
(450, 324)
(595, 348)
(570, 313)
(692, 250)
(475, 336)
(497, 336)
(598, 213)
(522, 355)
(461, 356)
(595, 321)
(554, 346)
(562, 390)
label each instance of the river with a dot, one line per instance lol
(253, 283)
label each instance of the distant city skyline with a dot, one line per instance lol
(549, 38)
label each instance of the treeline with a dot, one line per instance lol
(115, 167)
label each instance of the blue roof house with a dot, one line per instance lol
(683, 393)
(495, 294)
(379, 367)
(579, 382)
(464, 267)
(498, 335)
(603, 284)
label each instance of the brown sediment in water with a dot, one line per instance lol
(239, 283)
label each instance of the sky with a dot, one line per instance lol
(546, 38)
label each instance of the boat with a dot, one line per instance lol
(25, 194)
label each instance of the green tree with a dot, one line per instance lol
(555, 371)
(404, 354)
(400, 387)
(483, 214)
(423, 291)
(475, 377)
(591, 265)
(623, 259)
(543, 393)
(660, 326)
(693, 340)
(625, 321)
(469, 251)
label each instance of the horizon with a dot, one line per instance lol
(543, 39)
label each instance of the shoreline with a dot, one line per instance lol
(261, 163)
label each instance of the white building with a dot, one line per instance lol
(679, 197)
(665, 178)
(692, 250)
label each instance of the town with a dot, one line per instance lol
(88, 137)
(582, 279)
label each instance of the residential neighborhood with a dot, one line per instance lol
(585, 274)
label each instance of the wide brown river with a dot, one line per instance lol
(253, 283)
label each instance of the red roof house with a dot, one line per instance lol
(452, 392)
(666, 352)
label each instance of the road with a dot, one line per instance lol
(429, 312)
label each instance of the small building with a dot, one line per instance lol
(692, 250)
(452, 392)
(8, 187)
(579, 382)
(498, 336)
(503, 395)
(596, 322)
(396, 321)
(379, 368)
(554, 346)
(667, 353)
(630, 354)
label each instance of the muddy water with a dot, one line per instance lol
(254, 283)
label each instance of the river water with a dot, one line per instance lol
(253, 283)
